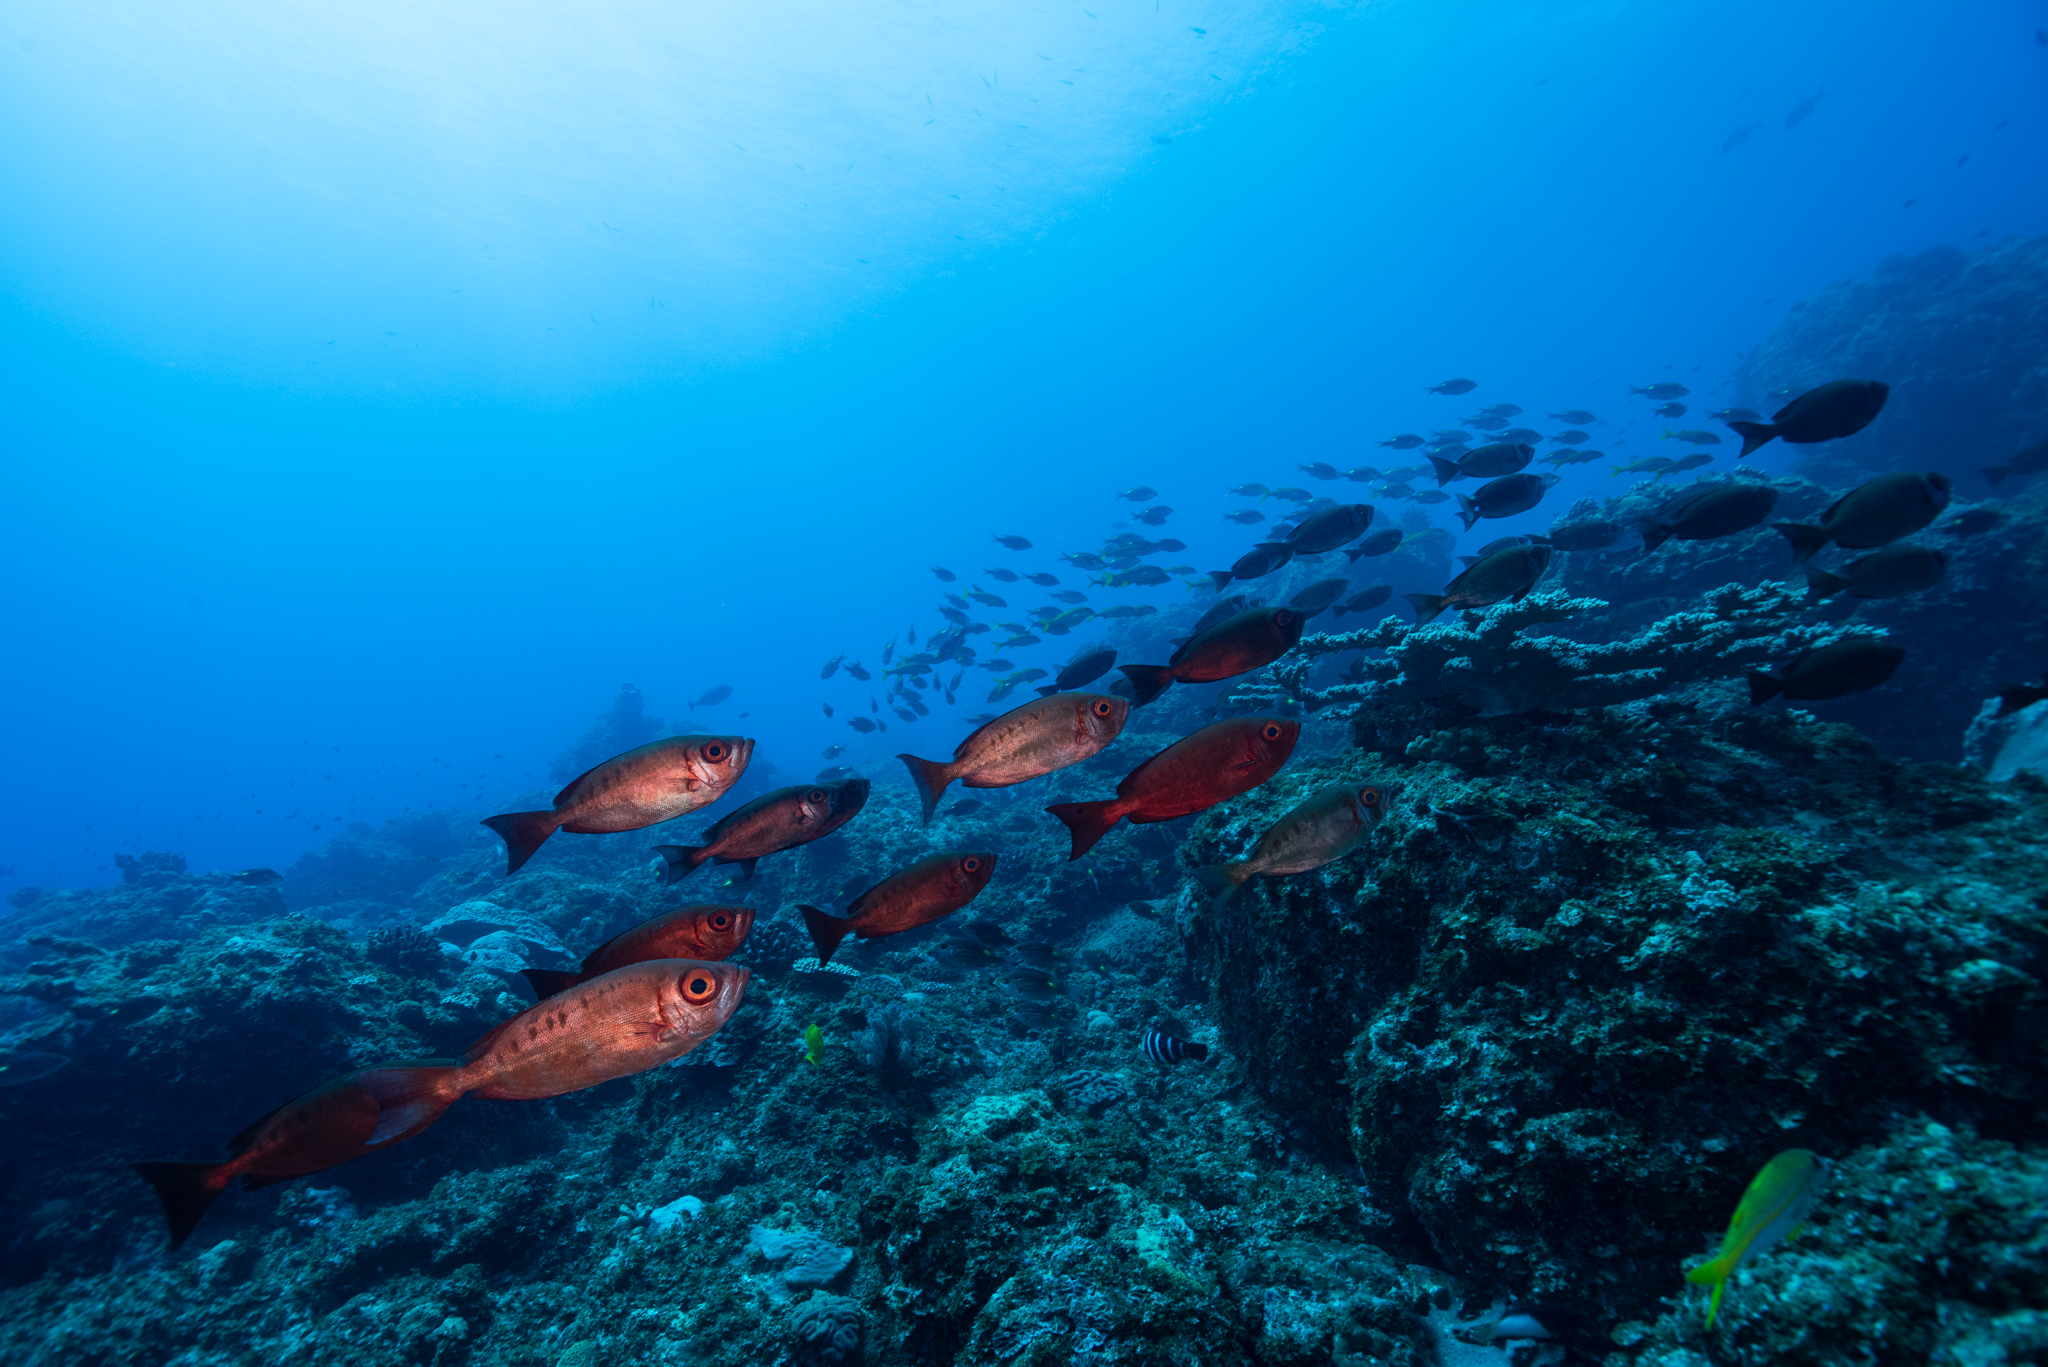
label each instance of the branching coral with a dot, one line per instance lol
(1496, 665)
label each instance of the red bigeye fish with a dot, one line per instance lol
(329, 1125)
(707, 931)
(936, 886)
(642, 787)
(1192, 775)
(1027, 742)
(771, 823)
(1234, 646)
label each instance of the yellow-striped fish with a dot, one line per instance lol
(1775, 1206)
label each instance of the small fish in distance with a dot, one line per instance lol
(1407, 441)
(1669, 410)
(1002, 576)
(643, 787)
(1161, 1047)
(859, 671)
(1319, 470)
(1839, 408)
(1666, 390)
(1138, 493)
(1484, 462)
(1245, 517)
(1893, 572)
(1572, 437)
(1043, 580)
(2031, 461)
(1382, 542)
(1577, 417)
(257, 878)
(1317, 597)
(945, 575)
(712, 697)
(1454, 387)
(1560, 459)
(1365, 601)
(832, 666)
(1015, 543)
(1740, 414)
(1692, 436)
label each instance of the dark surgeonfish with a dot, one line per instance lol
(1324, 828)
(257, 878)
(1592, 535)
(1381, 542)
(932, 888)
(1831, 671)
(1454, 387)
(1666, 390)
(1364, 601)
(771, 823)
(1577, 417)
(1086, 667)
(1236, 645)
(1330, 528)
(30, 1065)
(1407, 441)
(1318, 596)
(643, 787)
(708, 931)
(1506, 576)
(339, 1120)
(1873, 514)
(712, 697)
(1840, 408)
(1161, 1047)
(1044, 735)
(1138, 493)
(1504, 497)
(2031, 461)
(1893, 572)
(1705, 513)
(1213, 765)
(1015, 543)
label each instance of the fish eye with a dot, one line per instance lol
(699, 987)
(1102, 707)
(720, 921)
(971, 864)
(1369, 796)
(714, 751)
(1272, 731)
(816, 795)
(1282, 617)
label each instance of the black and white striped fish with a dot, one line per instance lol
(1161, 1047)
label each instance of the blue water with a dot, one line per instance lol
(383, 389)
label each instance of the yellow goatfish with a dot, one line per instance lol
(1775, 1206)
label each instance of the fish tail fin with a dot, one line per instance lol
(1807, 542)
(187, 1191)
(409, 1098)
(1753, 434)
(1048, 690)
(1428, 606)
(930, 779)
(826, 930)
(523, 833)
(1088, 821)
(1220, 578)
(747, 867)
(679, 861)
(1446, 470)
(1820, 584)
(1714, 1274)
(1468, 512)
(1351, 555)
(1221, 882)
(1995, 473)
(1655, 534)
(1339, 610)
(547, 982)
(1764, 687)
(1147, 681)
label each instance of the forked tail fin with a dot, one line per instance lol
(1468, 512)
(679, 861)
(1764, 687)
(1820, 584)
(523, 833)
(187, 1191)
(1147, 681)
(547, 982)
(1428, 606)
(930, 780)
(826, 930)
(1807, 542)
(1753, 434)
(1222, 882)
(1089, 822)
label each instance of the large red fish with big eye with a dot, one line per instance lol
(706, 931)
(1191, 775)
(642, 787)
(935, 886)
(1235, 645)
